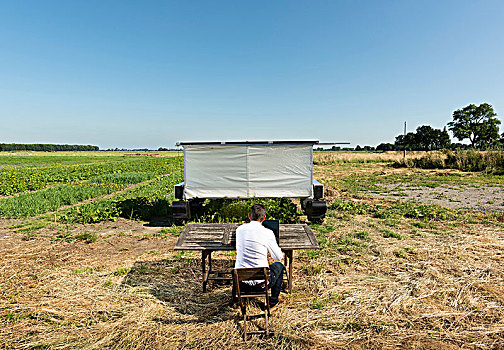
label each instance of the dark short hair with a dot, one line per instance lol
(257, 212)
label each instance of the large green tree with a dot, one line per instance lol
(385, 147)
(425, 138)
(479, 124)
(443, 139)
(428, 138)
(407, 141)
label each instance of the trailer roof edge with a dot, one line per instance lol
(202, 143)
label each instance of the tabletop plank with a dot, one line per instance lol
(223, 237)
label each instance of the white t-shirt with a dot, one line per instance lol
(253, 242)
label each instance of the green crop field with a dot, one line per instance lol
(32, 185)
(409, 258)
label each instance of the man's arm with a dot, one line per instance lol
(239, 247)
(273, 248)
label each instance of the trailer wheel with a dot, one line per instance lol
(318, 221)
(315, 210)
(181, 212)
(179, 222)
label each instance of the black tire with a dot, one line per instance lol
(316, 221)
(178, 222)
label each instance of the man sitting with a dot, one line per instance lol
(253, 242)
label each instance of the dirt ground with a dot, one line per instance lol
(473, 197)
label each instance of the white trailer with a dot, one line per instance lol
(250, 169)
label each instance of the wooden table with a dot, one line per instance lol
(212, 237)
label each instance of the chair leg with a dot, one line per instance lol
(245, 327)
(266, 321)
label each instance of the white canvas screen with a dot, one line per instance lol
(215, 172)
(248, 171)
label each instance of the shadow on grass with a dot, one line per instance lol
(157, 213)
(177, 283)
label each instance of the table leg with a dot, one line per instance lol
(209, 269)
(287, 276)
(204, 254)
(289, 255)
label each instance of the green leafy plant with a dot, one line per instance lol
(391, 234)
(121, 271)
(355, 208)
(87, 237)
(228, 210)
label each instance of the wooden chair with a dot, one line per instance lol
(251, 274)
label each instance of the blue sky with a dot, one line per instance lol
(148, 74)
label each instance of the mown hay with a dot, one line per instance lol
(444, 291)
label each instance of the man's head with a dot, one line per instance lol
(257, 213)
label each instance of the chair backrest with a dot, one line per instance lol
(251, 274)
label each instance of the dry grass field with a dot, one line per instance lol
(390, 274)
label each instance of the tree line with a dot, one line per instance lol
(477, 124)
(45, 147)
